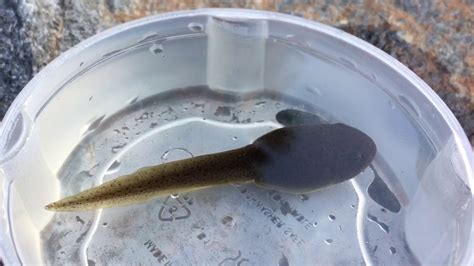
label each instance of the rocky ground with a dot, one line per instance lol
(433, 38)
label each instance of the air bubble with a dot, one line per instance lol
(234, 138)
(174, 196)
(328, 241)
(156, 48)
(195, 27)
(105, 224)
(331, 217)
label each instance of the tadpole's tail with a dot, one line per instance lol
(174, 177)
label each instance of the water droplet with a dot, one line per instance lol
(228, 221)
(331, 217)
(92, 171)
(348, 63)
(392, 105)
(79, 220)
(373, 77)
(223, 111)
(116, 131)
(133, 100)
(156, 48)
(176, 154)
(297, 41)
(328, 241)
(116, 148)
(392, 250)
(201, 236)
(151, 37)
(114, 167)
(313, 90)
(283, 261)
(110, 54)
(315, 224)
(195, 27)
(412, 108)
(174, 196)
(381, 193)
(234, 138)
(105, 224)
(381, 225)
(303, 197)
(353, 206)
(340, 228)
(93, 124)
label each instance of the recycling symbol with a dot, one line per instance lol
(174, 209)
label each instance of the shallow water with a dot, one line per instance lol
(239, 224)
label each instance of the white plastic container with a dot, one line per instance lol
(188, 83)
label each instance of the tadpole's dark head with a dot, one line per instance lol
(305, 158)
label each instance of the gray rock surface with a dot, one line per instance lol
(16, 60)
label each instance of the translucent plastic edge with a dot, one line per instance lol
(460, 137)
